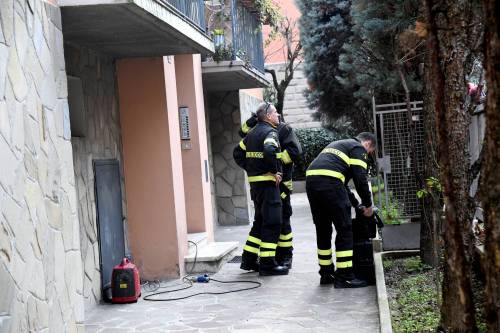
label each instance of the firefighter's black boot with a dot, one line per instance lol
(268, 266)
(326, 279)
(285, 261)
(327, 274)
(250, 266)
(342, 280)
(249, 262)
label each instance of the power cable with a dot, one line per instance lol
(255, 283)
(189, 279)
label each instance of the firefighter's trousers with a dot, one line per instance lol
(263, 238)
(330, 204)
(285, 242)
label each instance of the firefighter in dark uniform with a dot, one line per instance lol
(291, 152)
(258, 153)
(326, 180)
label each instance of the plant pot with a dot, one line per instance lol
(405, 236)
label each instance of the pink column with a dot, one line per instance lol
(153, 165)
(195, 152)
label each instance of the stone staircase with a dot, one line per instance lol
(207, 257)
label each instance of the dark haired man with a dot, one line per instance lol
(326, 180)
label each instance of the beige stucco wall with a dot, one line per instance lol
(153, 165)
(195, 152)
(102, 140)
(40, 262)
(256, 92)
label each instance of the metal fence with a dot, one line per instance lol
(194, 10)
(247, 35)
(395, 157)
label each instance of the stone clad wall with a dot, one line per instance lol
(102, 140)
(295, 108)
(41, 286)
(228, 178)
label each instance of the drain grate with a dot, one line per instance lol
(235, 260)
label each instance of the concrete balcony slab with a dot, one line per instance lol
(131, 28)
(231, 76)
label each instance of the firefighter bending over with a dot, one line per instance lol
(326, 178)
(257, 154)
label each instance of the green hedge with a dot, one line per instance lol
(313, 140)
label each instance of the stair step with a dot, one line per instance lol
(209, 257)
(198, 238)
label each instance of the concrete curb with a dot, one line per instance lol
(382, 299)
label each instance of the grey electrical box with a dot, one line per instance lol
(184, 123)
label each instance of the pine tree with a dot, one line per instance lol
(324, 28)
(381, 49)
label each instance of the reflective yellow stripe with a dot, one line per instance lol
(253, 179)
(289, 184)
(361, 163)
(268, 245)
(267, 254)
(324, 252)
(254, 154)
(323, 262)
(285, 157)
(245, 128)
(285, 244)
(342, 254)
(254, 240)
(286, 237)
(271, 141)
(242, 145)
(283, 195)
(324, 172)
(344, 264)
(338, 153)
(251, 249)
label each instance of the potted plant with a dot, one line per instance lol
(399, 233)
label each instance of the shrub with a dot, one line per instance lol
(312, 140)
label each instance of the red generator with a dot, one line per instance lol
(125, 283)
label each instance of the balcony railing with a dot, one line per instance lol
(194, 10)
(247, 35)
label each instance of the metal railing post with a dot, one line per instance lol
(234, 21)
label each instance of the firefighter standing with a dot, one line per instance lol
(258, 153)
(328, 197)
(291, 152)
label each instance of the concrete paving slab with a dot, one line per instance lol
(292, 303)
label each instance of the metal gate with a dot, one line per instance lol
(394, 155)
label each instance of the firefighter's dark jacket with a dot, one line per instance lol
(344, 160)
(258, 153)
(291, 151)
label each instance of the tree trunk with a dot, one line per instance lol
(490, 194)
(431, 203)
(450, 54)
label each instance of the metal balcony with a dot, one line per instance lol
(242, 66)
(194, 10)
(136, 28)
(247, 35)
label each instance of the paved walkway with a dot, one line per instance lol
(292, 303)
